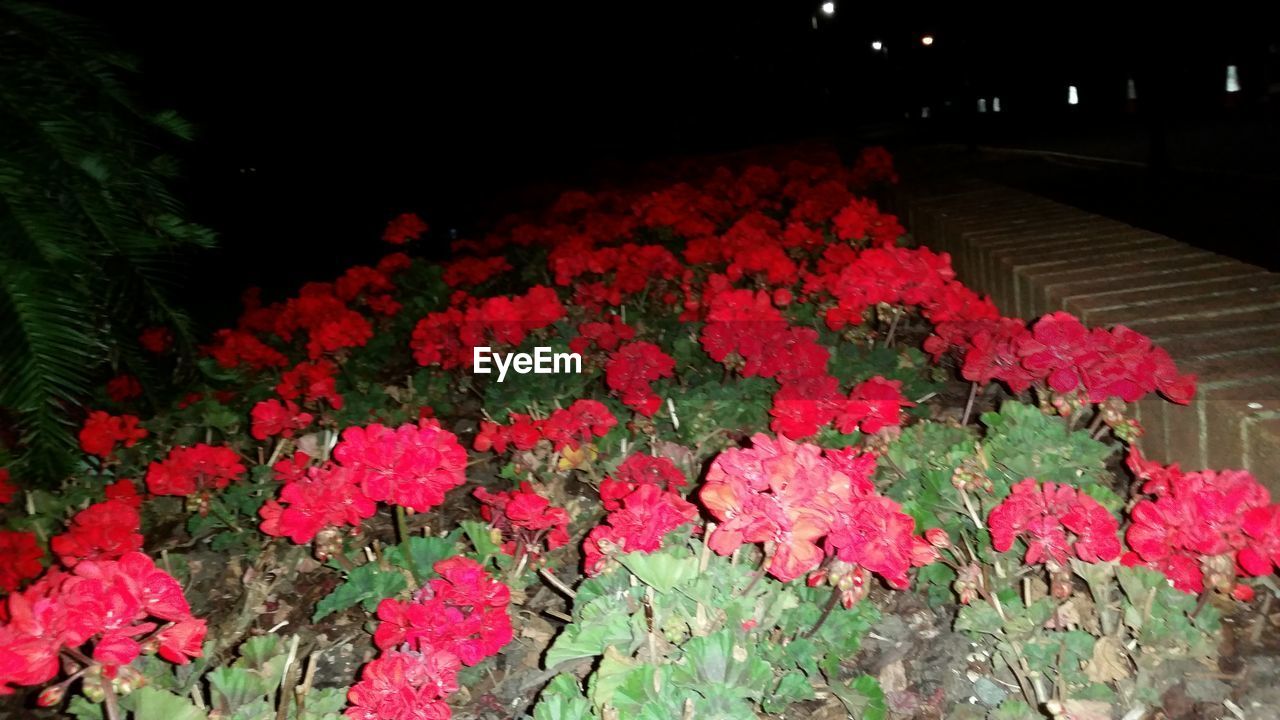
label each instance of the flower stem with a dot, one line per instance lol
(402, 525)
(968, 407)
(220, 511)
(826, 612)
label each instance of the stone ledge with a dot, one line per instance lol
(1217, 317)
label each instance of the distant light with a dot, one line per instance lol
(877, 45)
(1131, 92)
(995, 104)
(1073, 95)
(828, 8)
(982, 105)
(927, 40)
(924, 111)
(815, 22)
(1233, 79)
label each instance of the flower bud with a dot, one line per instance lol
(938, 538)
(52, 695)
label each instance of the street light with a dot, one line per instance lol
(927, 40)
(828, 8)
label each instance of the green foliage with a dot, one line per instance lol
(366, 585)
(1023, 442)
(90, 237)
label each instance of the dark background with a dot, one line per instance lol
(319, 124)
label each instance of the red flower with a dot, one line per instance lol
(463, 612)
(411, 466)
(1043, 515)
(188, 470)
(403, 228)
(271, 418)
(8, 491)
(157, 340)
(102, 431)
(524, 518)
(123, 388)
(405, 686)
(315, 499)
(103, 531)
(20, 561)
(312, 382)
(632, 369)
(873, 405)
(639, 522)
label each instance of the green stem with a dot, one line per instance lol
(402, 525)
(220, 511)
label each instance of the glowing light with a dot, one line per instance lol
(1233, 79)
(828, 8)
(995, 104)
(982, 105)
(924, 112)
(1131, 93)
(1073, 95)
(927, 40)
(877, 45)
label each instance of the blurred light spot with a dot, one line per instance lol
(877, 45)
(828, 8)
(1132, 92)
(927, 40)
(924, 112)
(1073, 95)
(995, 104)
(982, 105)
(1233, 79)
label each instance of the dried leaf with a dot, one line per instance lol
(1109, 662)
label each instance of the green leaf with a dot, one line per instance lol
(979, 618)
(366, 585)
(609, 674)
(722, 660)
(82, 709)
(148, 703)
(419, 554)
(599, 625)
(863, 698)
(230, 688)
(1014, 710)
(793, 687)
(664, 570)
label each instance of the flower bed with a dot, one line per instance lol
(785, 427)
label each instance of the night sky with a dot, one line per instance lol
(317, 124)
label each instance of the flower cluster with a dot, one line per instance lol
(1198, 528)
(1060, 352)
(199, 469)
(524, 518)
(604, 334)
(570, 427)
(791, 496)
(236, 348)
(631, 371)
(311, 382)
(313, 499)
(1057, 522)
(459, 618)
(156, 340)
(446, 338)
(404, 228)
(638, 470)
(123, 608)
(20, 559)
(639, 522)
(102, 431)
(102, 531)
(872, 406)
(271, 418)
(474, 270)
(412, 466)
(123, 388)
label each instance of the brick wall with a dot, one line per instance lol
(1218, 317)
